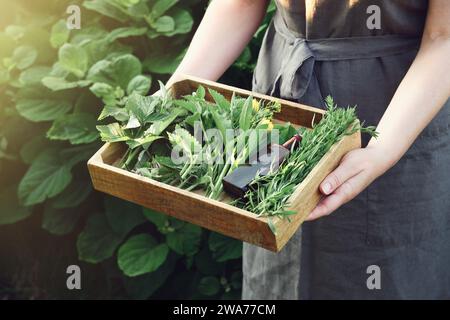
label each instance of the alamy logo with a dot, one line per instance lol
(374, 20)
(74, 280)
(374, 280)
(74, 20)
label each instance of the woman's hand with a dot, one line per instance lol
(356, 171)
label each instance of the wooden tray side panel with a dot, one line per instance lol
(181, 204)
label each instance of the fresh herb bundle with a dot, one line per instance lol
(154, 127)
(269, 195)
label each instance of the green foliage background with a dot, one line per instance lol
(53, 85)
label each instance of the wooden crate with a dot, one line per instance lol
(211, 214)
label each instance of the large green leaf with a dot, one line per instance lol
(42, 109)
(48, 175)
(10, 209)
(117, 72)
(97, 241)
(185, 240)
(141, 254)
(161, 6)
(76, 127)
(224, 248)
(106, 8)
(24, 56)
(73, 195)
(164, 24)
(209, 286)
(183, 24)
(140, 85)
(60, 34)
(142, 287)
(30, 150)
(74, 59)
(33, 75)
(57, 83)
(60, 221)
(125, 33)
(123, 216)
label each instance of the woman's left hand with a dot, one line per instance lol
(357, 170)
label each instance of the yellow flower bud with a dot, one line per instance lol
(268, 122)
(255, 105)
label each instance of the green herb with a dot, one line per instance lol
(268, 195)
(154, 127)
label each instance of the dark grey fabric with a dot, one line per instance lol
(401, 222)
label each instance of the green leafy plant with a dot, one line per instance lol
(54, 82)
(268, 195)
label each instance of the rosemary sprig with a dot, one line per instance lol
(268, 195)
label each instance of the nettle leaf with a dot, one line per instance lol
(159, 126)
(144, 141)
(123, 216)
(164, 24)
(220, 100)
(74, 59)
(47, 176)
(125, 32)
(105, 8)
(73, 195)
(112, 132)
(10, 209)
(209, 286)
(105, 92)
(23, 57)
(140, 85)
(98, 241)
(60, 221)
(185, 240)
(42, 109)
(161, 6)
(76, 127)
(224, 248)
(60, 34)
(33, 75)
(141, 107)
(57, 83)
(141, 254)
(117, 72)
(118, 113)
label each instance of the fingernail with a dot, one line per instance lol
(326, 188)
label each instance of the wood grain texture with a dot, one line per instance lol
(211, 214)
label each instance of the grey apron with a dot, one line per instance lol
(400, 225)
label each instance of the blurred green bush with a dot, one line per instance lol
(53, 85)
